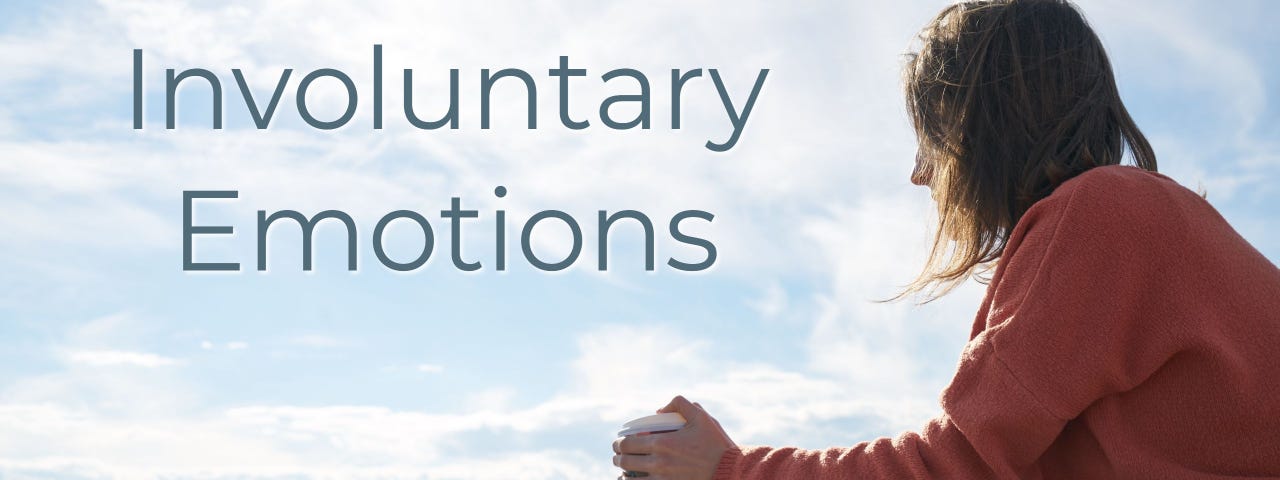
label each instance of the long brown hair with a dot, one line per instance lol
(1009, 98)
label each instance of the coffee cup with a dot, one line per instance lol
(650, 425)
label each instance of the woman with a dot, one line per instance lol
(1127, 330)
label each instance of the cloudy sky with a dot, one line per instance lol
(114, 363)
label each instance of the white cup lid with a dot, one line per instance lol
(653, 423)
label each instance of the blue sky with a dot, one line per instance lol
(116, 364)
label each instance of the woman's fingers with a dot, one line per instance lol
(672, 406)
(634, 454)
(692, 452)
(691, 413)
(635, 463)
(634, 445)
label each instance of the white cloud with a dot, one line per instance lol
(430, 368)
(771, 302)
(112, 358)
(315, 340)
(755, 401)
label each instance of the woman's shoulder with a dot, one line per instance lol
(1125, 194)
(1125, 183)
(1122, 211)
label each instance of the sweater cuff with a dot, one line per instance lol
(728, 460)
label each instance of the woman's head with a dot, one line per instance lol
(1009, 98)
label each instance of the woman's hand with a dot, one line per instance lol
(690, 453)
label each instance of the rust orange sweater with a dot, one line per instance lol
(1128, 332)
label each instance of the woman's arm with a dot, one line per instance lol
(1007, 430)
(993, 428)
(938, 451)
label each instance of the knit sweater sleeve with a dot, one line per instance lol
(1063, 325)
